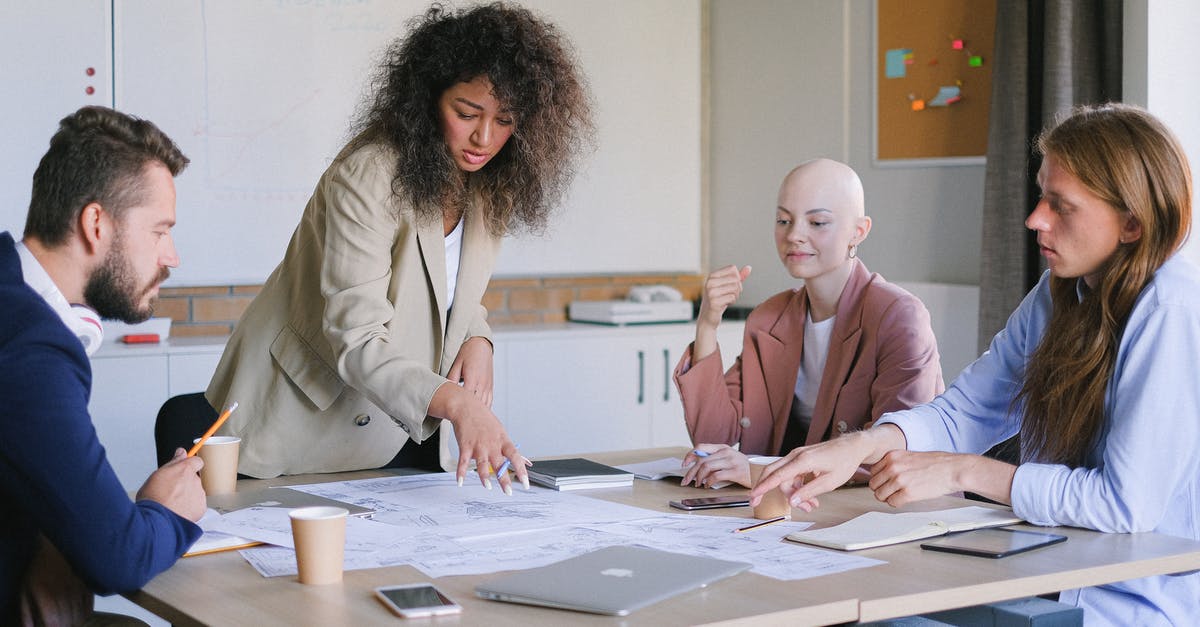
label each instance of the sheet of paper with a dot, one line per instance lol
(715, 536)
(436, 504)
(663, 468)
(657, 469)
(443, 530)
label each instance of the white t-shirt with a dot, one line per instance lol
(453, 254)
(812, 363)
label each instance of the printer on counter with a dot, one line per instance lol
(646, 304)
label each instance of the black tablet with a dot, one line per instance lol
(993, 542)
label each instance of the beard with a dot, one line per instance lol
(112, 289)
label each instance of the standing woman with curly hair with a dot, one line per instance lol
(1095, 370)
(370, 333)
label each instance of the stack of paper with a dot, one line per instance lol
(577, 473)
(882, 528)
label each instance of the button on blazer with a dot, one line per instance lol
(336, 360)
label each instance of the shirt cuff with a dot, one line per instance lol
(915, 437)
(1030, 482)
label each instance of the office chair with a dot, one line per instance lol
(181, 420)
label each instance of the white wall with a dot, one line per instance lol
(792, 80)
(1160, 74)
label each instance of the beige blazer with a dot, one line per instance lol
(882, 357)
(335, 362)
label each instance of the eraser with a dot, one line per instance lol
(142, 338)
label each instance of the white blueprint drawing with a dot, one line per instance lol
(430, 523)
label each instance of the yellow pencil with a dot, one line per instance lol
(213, 429)
(761, 524)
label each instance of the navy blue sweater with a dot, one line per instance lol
(54, 476)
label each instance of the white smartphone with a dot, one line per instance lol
(414, 600)
(711, 502)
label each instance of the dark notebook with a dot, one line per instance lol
(577, 473)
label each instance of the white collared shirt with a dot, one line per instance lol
(37, 278)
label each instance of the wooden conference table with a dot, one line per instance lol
(222, 589)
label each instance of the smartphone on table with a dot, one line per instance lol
(712, 502)
(414, 600)
(994, 542)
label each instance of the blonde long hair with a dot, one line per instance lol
(1129, 159)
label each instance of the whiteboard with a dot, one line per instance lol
(260, 93)
(46, 51)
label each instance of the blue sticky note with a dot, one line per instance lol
(944, 96)
(894, 62)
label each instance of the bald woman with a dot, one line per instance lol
(819, 360)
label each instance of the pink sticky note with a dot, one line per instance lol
(957, 44)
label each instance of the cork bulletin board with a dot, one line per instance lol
(933, 80)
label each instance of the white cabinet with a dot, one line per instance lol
(576, 388)
(130, 384)
(560, 389)
(190, 372)
(126, 394)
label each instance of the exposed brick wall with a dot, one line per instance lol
(214, 310)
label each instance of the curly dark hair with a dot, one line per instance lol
(533, 72)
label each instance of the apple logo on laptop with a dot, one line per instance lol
(617, 572)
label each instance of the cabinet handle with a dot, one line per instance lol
(641, 377)
(666, 374)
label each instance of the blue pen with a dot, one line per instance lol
(503, 469)
(699, 453)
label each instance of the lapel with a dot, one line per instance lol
(843, 349)
(779, 359)
(432, 242)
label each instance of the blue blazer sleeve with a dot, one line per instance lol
(54, 474)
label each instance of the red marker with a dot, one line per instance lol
(141, 338)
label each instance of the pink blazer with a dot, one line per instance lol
(882, 357)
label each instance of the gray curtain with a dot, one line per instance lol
(1050, 56)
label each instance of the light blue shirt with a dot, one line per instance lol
(1144, 473)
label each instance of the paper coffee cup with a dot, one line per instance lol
(220, 455)
(319, 534)
(774, 504)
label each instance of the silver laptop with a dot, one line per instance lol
(615, 580)
(278, 497)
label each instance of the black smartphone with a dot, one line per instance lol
(994, 543)
(712, 502)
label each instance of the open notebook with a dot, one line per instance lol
(883, 528)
